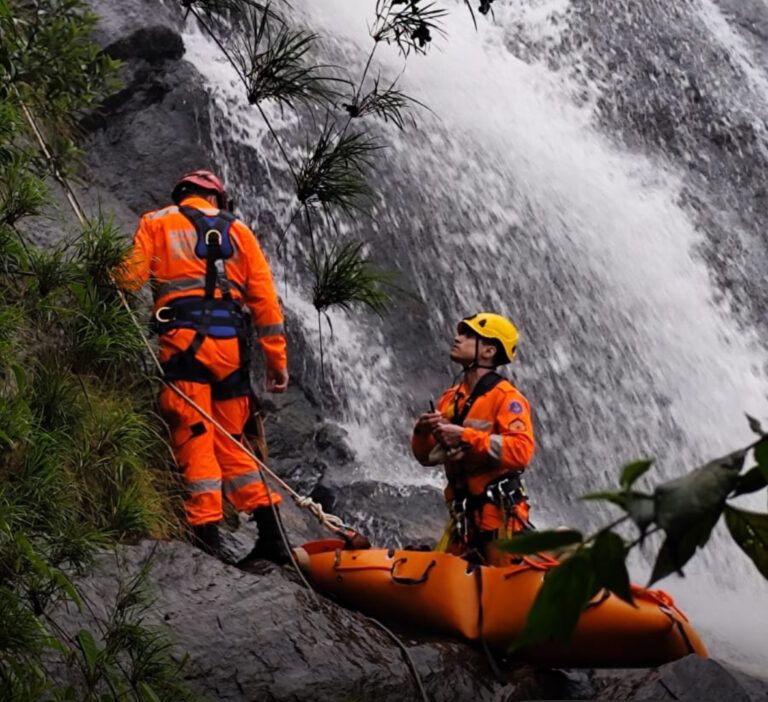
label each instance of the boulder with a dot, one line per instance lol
(690, 678)
(262, 636)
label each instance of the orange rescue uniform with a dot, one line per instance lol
(164, 253)
(498, 439)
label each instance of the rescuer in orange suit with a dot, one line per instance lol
(212, 286)
(481, 431)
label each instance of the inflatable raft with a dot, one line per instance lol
(440, 593)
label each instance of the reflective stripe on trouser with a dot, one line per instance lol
(210, 462)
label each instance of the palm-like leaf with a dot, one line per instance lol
(334, 171)
(344, 276)
(21, 193)
(272, 61)
(388, 103)
(409, 24)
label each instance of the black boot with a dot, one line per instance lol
(269, 546)
(207, 538)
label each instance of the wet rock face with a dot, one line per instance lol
(157, 125)
(262, 636)
(690, 678)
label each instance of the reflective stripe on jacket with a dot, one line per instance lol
(164, 253)
(497, 430)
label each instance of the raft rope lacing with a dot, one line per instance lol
(329, 521)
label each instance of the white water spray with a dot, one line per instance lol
(513, 175)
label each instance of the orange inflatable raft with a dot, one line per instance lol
(441, 593)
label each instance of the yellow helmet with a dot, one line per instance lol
(488, 325)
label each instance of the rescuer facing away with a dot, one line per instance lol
(211, 285)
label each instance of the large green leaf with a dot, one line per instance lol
(751, 481)
(761, 456)
(609, 564)
(750, 531)
(632, 471)
(617, 498)
(540, 541)
(755, 426)
(642, 509)
(565, 592)
(698, 496)
(679, 547)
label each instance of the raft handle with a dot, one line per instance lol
(410, 581)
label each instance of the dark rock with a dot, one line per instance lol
(153, 44)
(116, 23)
(390, 515)
(530, 683)
(264, 637)
(691, 678)
(149, 134)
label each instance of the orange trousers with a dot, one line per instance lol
(212, 464)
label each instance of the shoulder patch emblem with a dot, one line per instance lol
(515, 407)
(516, 425)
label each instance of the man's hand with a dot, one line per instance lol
(428, 422)
(276, 380)
(449, 435)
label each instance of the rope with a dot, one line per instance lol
(286, 541)
(406, 655)
(329, 521)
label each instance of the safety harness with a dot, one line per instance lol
(505, 492)
(210, 316)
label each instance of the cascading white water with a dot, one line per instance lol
(514, 199)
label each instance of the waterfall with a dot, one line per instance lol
(596, 217)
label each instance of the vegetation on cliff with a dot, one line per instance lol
(82, 462)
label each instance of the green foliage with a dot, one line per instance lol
(343, 276)
(686, 509)
(407, 24)
(22, 194)
(80, 464)
(48, 61)
(750, 531)
(555, 612)
(388, 103)
(632, 471)
(273, 62)
(608, 556)
(333, 173)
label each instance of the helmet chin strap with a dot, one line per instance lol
(475, 363)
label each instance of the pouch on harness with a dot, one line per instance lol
(505, 492)
(208, 315)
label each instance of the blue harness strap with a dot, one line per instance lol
(210, 316)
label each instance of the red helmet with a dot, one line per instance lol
(202, 179)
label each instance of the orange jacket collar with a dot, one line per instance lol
(199, 203)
